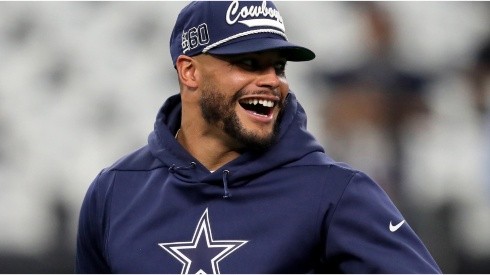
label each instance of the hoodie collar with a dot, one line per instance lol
(294, 142)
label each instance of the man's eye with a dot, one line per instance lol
(248, 64)
(280, 68)
(252, 64)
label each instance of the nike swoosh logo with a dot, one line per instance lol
(394, 228)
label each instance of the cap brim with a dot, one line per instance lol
(291, 51)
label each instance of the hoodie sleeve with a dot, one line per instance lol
(90, 256)
(367, 234)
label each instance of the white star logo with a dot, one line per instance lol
(203, 254)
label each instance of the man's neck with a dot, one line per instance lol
(209, 150)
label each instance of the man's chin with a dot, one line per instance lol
(257, 143)
(249, 136)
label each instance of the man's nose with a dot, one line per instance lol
(268, 78)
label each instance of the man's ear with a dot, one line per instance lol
(186, 69)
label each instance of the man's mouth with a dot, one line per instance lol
(258, 106)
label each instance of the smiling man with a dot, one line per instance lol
(231, 181)
(230, 103)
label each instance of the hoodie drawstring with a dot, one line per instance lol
(227, 193)
(174, 167)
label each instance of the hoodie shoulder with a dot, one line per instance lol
(363, 214)
(138, 160)
(320, 158)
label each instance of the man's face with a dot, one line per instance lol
(243, 96)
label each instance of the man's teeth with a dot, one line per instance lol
(263, 102)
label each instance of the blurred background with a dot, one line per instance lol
(400, 90)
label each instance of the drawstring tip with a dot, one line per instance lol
(225, 184)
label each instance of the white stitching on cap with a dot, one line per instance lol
(238, 35)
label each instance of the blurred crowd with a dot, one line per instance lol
(422, 133)
(400, 90)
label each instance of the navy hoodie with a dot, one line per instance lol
(290, 209)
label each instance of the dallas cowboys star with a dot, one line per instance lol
(202, 254)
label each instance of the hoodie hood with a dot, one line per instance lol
(293, 144)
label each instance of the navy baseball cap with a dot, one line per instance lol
(232, 27)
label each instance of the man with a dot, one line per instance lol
(231, 181)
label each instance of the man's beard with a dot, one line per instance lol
(216, 108)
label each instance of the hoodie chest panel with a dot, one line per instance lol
(161, 225)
